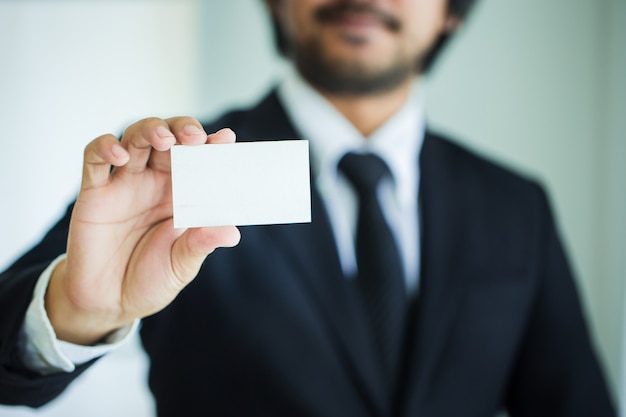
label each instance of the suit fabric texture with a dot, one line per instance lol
(273, 328)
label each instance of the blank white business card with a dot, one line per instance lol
(248, 183)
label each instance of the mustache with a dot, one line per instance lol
(337, 11)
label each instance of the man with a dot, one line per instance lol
(483, 314)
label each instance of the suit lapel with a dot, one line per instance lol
(443, 265)
(312, 248)
(442, 282)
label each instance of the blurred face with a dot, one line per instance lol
(356, 47)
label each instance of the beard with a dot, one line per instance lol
(347, 77)
(337, 75)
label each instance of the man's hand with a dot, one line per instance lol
(125, 260)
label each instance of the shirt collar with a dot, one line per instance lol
(331, 135)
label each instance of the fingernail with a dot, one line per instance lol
(164, 132)
(192, 130)
(118, 151)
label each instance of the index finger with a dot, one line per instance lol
(187, 130)
(161, 160)
(143, 138)
(140, 138)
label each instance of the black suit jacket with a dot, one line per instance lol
(272, 328)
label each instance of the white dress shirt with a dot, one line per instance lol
(398, 142)
(331, 135)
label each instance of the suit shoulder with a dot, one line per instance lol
(488, 188)
(265, 120)
(231, 118)
(477, 169)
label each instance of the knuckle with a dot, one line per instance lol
(96, 147)
(179, 123)
(178, 120)
(151, 123)
(148, 121)
(141, 126)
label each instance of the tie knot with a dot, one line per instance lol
(364, 171)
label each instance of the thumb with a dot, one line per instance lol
(194, 245)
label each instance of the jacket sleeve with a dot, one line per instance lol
(18, 385)
(557, 372)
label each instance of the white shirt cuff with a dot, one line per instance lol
(43, 352)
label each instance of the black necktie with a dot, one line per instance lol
(381, 276)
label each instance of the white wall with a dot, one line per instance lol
(613, 212)
(539, 85)
(71, 71)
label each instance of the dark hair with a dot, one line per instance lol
(456, 8)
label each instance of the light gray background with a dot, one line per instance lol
(539, 85)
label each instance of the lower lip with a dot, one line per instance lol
(358, 22)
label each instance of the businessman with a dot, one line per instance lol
(430, 282)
